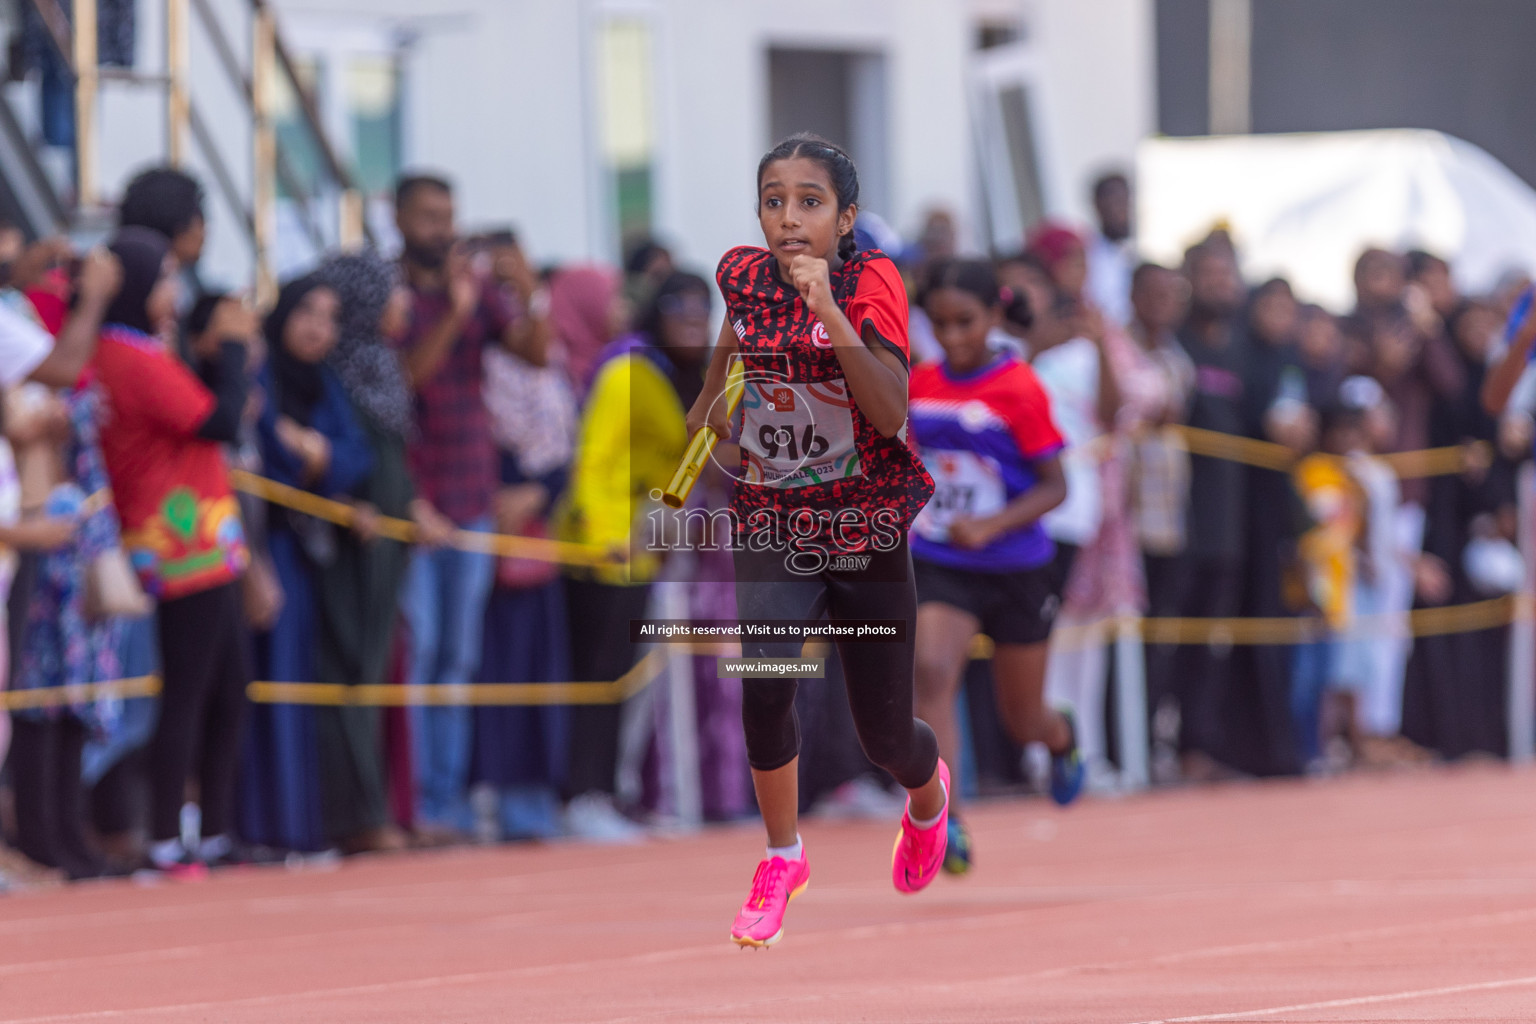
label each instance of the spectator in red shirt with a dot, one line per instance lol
(454, 463)
(182, 530)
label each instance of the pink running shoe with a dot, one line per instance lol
(761, 921)
(919, 853)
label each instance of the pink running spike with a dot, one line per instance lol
(919, 853)
(761, 921)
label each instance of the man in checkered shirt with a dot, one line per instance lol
(455, 315)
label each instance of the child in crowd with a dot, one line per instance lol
(182, 529)
(983, 425)
(1338, 507)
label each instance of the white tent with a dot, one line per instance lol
(1304, 206)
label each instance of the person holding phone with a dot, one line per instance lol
(455, 315)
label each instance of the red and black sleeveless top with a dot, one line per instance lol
(805, 443)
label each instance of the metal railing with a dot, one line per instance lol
(272, 67)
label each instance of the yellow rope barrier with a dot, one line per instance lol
(1466, 618)
(80, 693)
(342, 514)
(1463, 618)
(626, 686)
(1263, 454)
(1425, 462)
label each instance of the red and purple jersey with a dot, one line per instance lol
(980, 435)
(805, 444)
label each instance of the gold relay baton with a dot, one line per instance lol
(703, 442)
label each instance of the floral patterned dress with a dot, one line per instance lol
(61, 647)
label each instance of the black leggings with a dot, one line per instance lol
(50, 816)
(205, 670)
(601, 651)
(878, 674)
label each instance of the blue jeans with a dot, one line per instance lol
(1312, 671)
(140, 657)
(444, 603)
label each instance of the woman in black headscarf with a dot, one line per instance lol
(359, 590)
(309, 439)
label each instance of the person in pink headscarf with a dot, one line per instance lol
(588, 310)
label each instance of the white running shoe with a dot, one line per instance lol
(593, 817)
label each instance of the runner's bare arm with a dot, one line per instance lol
(709, 408)
(876, 377)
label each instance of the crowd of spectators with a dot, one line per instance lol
(464, 388)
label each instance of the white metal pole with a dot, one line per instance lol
(1522, 634)
(682, 716)
(1230, 66)
(1131, 702)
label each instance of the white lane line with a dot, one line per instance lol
(839, 936)
(1334, 1004)
(970, 986)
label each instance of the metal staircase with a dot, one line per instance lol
(228, 139)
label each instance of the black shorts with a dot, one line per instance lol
(1013, 607)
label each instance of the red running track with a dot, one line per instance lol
(1386, 898)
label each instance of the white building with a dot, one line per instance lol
(580, 121)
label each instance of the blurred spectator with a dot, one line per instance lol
(170, 201)
(522, 751)
(453, 461)
(28, 351)
(358, 591)
(1022, 278)
(310, 440)
(182, 529)
(507, 268)
(936, 242)
(1259, 737)
(1060, 250)
(1433, 275)
(71, 639)
(587, 309)
(1111, 249)
(1159, 303)
(1149, 389)
(1380, 277)
(1069, 352)
(1370, 666)
(58, 645)
(1066, 352)
(116, 22)
(1206, 580)
(1337, 505)
(1321, 354)
(939, 239)
(1455, 691)
(630, 437)
(677, 321)
(647, 263)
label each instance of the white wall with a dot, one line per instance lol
(493, 98)
(716, 106)
(1099, 66)
(500, 94)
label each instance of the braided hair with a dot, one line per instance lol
(838, 165)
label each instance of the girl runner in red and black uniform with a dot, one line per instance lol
(827, 492)
(984, 564)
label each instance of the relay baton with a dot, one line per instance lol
(703, 442)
